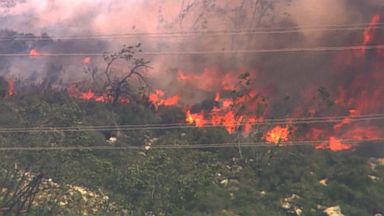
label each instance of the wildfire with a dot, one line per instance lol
(157, 98)
(236, 106)
(88, 95)
(196, 118)
(228, 120)
(234, 111)
(34, 53)
(224, 114)
(277, 134)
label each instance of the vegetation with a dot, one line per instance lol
(263, 181)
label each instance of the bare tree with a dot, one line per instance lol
(239, 15)
(118, 84)
(231, 16)
(18, 191)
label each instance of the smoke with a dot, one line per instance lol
(83, 16)
(108, 17)
(293, 84)
(309, 13)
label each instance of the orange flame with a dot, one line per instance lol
(157, 99)
(196, 118)
(277, 134)
(362, 95)
(223, 114)
(228, 112)
(86, 60)
(34, 53)
(335, 144)
(11, 88)
(235, 108)
(248, 124)
(88, 95)
(369, 32)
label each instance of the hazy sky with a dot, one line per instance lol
(119, 16)
(80, 16)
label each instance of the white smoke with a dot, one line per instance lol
(83, 17)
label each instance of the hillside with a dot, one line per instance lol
(285, 180)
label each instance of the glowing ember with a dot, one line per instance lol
(277, 134)
(88, 95)
(87, 60)
(11, 88)
(34, 53)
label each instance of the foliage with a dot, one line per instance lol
(264, 181)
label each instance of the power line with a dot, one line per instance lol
(189, 146)
(167, 126)
(307, 120)
(207, 52)
(181, 34)
(265, 121)
(277, 30)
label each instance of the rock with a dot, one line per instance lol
(333, 211)
(375, 162)
(111, 140)
(324, 182)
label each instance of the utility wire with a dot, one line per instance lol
(206, 52)
(133, 127)
(281, 120)
(189, 146)
(280, 30)
(265, 121)
(172, 36)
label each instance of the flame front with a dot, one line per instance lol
(197, 119)
(361, 95)
(224, 114)
(157, 98)
(89, 95)
(237, 105)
